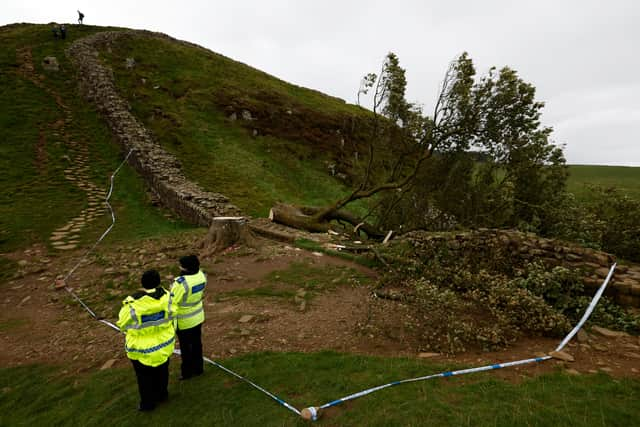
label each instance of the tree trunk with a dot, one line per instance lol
(307, 218)
(226, 231)
(293, 216)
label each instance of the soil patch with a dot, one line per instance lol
(39, 324)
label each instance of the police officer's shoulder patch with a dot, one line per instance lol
(181, 279)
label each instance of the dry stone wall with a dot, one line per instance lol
(521, 247)
(161, 170)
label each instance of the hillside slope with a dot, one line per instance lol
(235, 129)
(57, 153)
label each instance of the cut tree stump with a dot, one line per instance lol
(226, 231)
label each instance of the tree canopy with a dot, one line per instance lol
(482, 157)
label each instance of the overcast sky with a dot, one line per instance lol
(582, 56)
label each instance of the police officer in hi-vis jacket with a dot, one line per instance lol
(188, 291)
(146, 318)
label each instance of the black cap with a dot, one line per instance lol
(150, 279)
(190, 264)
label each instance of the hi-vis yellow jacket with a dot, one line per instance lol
(147, 319)
(188, 291)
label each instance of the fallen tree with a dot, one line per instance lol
(318, 220)
(400, 127)
(497, 118)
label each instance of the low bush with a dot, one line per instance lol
(455, 308)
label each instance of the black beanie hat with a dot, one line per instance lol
(190, 263)
(150, 279)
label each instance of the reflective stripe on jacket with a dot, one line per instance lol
(147, 320)
(188, 292)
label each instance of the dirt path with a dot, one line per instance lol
(39, 324)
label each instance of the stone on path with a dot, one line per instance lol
(109, 363)
(246, 318)
(66, 247)
(427, 355)
(608, 332)
(600, 347)
(562, 355)
(582, 336)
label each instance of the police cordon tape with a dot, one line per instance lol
(114, 327)
(313, 412)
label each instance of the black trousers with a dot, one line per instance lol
(191, 350)
(152, 383)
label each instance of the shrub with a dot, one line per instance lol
(455, 308)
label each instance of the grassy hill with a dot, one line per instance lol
(194, 102)
(180, 92)
(42, 119)
(626, 179)
(237, 130)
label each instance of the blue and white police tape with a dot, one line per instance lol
(588, 311)
(113, 222)
(257, 387)
(313, 412)
(114, 327)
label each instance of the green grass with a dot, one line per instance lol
(179, 102)
(36, 198)
(299, 275)
(10, 324)
(40, 395)
(268, 291)
(626, 179)
(305, 275)
(8, 268)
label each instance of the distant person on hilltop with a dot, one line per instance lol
(80, 17)
(56, 34)
(63, 32)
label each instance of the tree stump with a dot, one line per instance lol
(226, 231)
